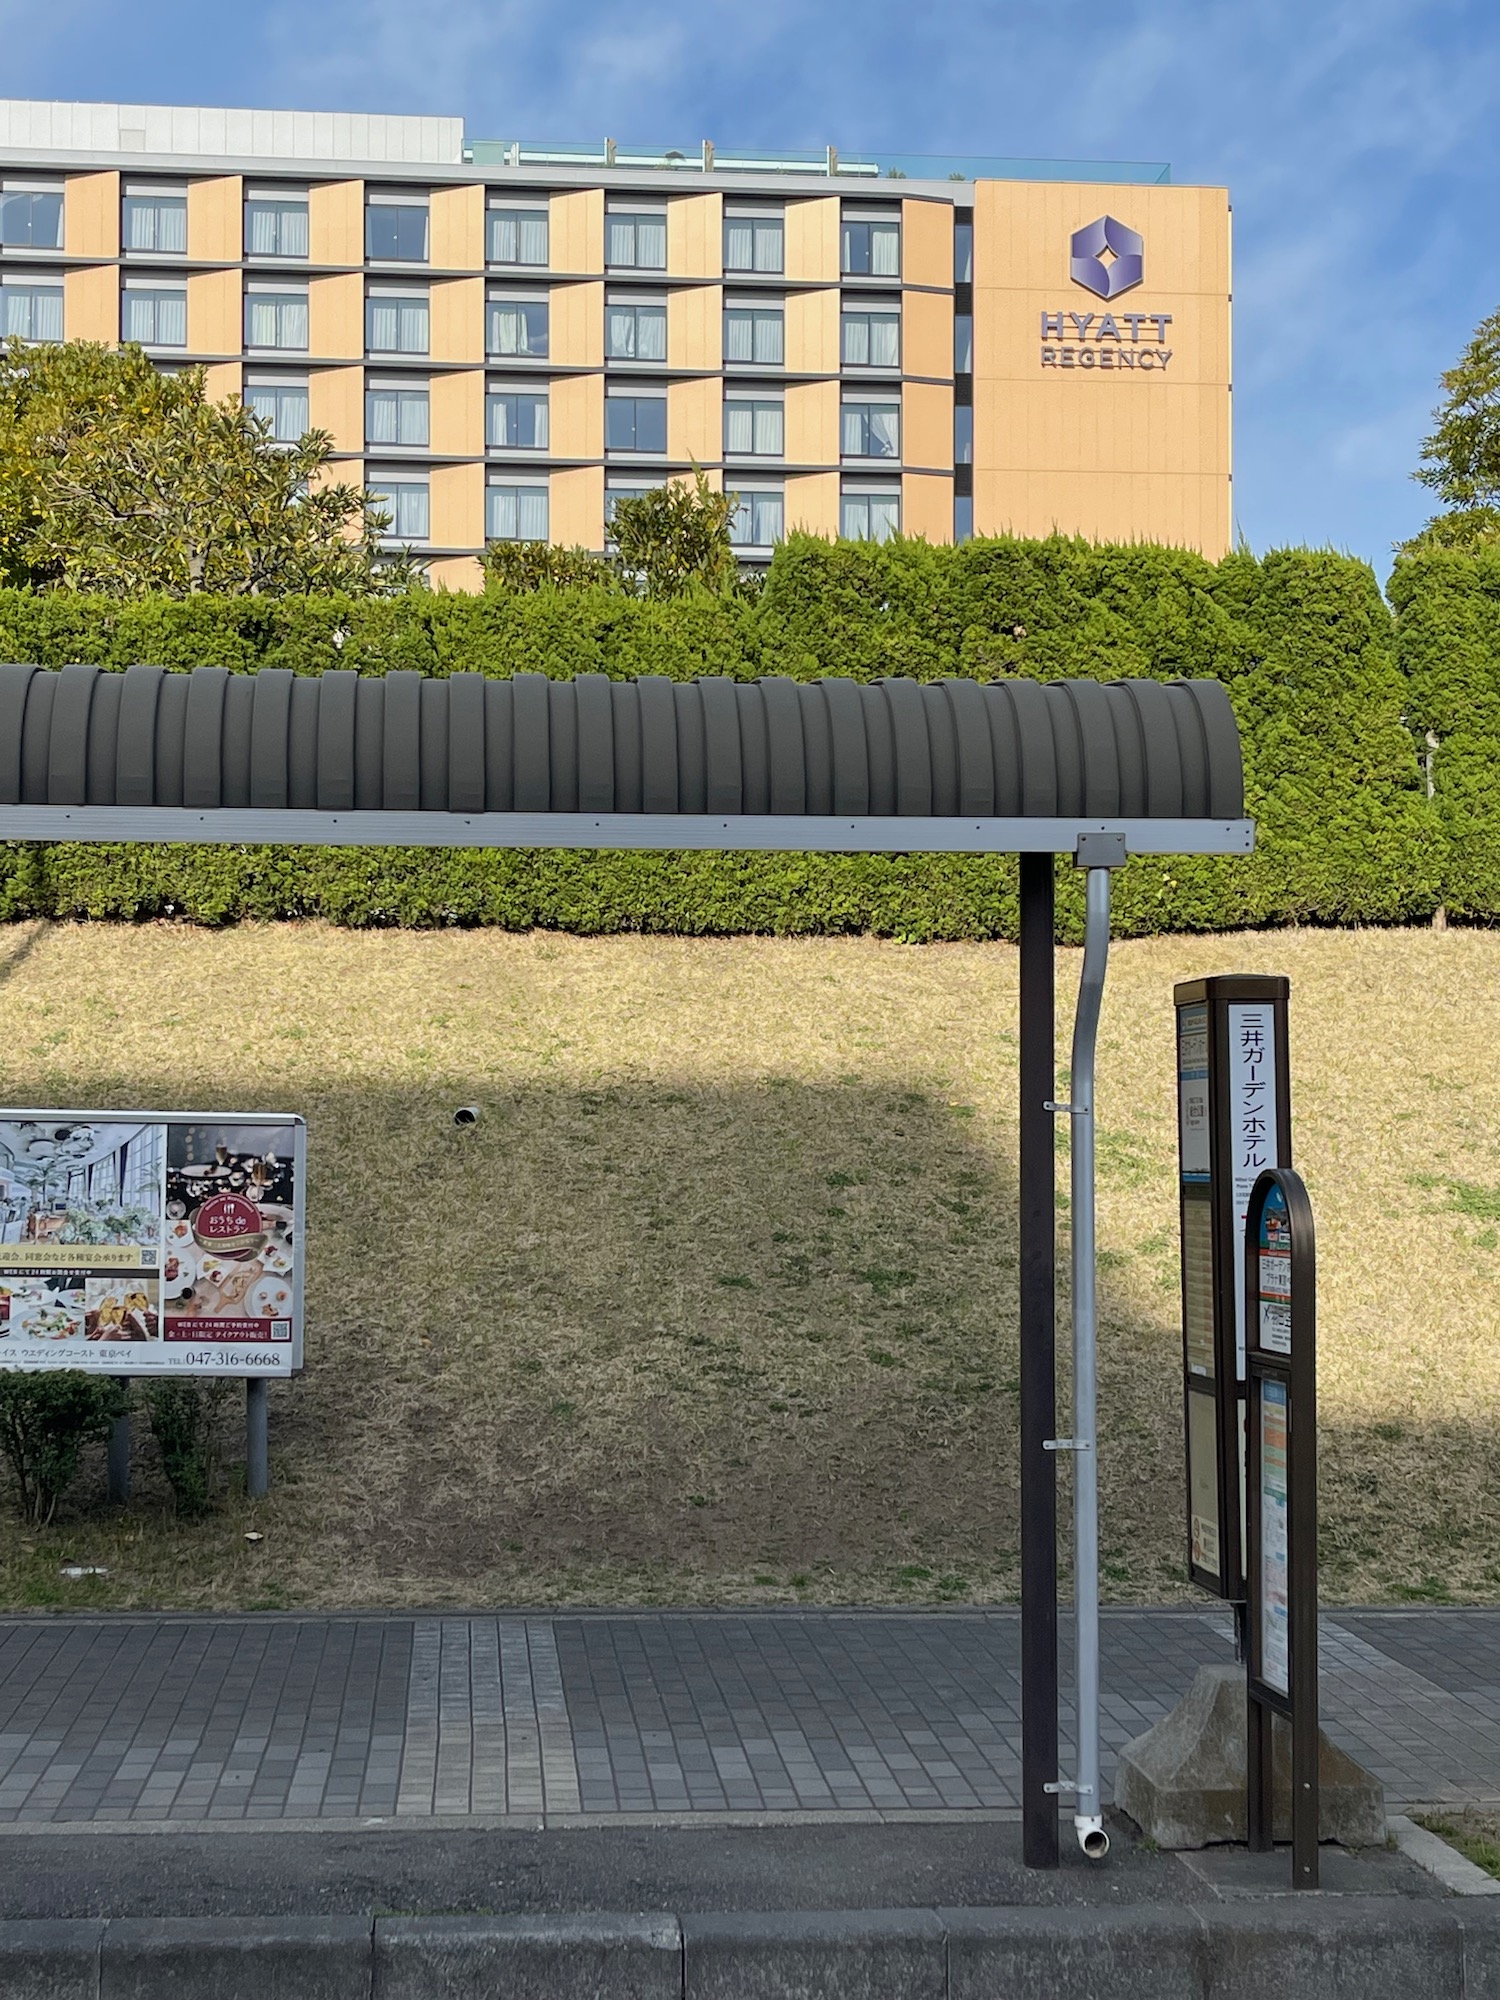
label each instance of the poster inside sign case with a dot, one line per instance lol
(152, 1242)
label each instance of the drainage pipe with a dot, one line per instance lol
(1088, 1821)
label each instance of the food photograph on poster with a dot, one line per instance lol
(229, 1241)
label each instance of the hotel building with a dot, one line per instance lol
(503, 338)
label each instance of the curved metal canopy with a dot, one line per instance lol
(404, 758)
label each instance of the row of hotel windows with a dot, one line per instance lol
(154, 220)
(276, 320)
(520, 514)
(397, 414)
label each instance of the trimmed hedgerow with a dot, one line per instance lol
(1326, 685)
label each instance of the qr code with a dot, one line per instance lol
(281, 1329)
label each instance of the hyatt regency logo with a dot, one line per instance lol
(1106, 257)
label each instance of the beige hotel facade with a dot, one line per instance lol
(503, 338)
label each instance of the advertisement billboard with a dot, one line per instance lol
(152, 1243)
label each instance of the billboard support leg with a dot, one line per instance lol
(1038, 1249)
(119, 1453)
(257, 1437)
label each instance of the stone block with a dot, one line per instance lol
(830, 1954)
(1144, 1953)
(1336, 1948)
(49, 1959)
(567, 1957)
(235, 1958)
(1183, 1782)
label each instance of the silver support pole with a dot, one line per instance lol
(1088, 1821)
(257, 1437)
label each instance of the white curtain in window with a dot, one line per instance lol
(171, 319)
(651, 242)
(171, 225)
(411, 511)
(768, 246)
(856, 339)
(739, 337)
(531, 513)
(500, 512)
(263, 232)
(294, 240)
(380, 419)
(885, 515)
(292, 419)
(411, 418)
(651, 333)
(506, 330)
(768, 515)
(768, 429)
(885, 340)
(621, 240)
(540, 414)
(413, 326)
(262, 403)
(498, 410)
(769, 345)
(532, 248)
(261, 315)
(885, 430)
(739, 245)
(852, 441)
(739, 427)
(383, 325)
(885, 250)
(622, 332)
(293, 323)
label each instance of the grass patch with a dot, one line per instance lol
(717, 1301)
(1475, 1834)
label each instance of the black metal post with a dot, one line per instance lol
(118, 1459)
(1038, 1252)
(257, 1437)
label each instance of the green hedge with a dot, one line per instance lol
(1322, 680)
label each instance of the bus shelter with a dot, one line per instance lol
(1094, 771)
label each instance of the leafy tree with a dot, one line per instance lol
(117, 479)
(527, 566)
(45, 1422)
(675, 537)
(1460, 461)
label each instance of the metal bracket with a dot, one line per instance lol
(1066, 1444)
(1064, 1110)
(1100, 850)
(1062, 1785)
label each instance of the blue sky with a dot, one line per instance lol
(1360, 141)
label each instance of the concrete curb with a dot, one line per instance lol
(1455, 1871)
(1298, 1947)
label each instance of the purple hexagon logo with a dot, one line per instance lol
(1107, 257)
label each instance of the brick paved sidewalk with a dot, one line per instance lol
(406, 1719)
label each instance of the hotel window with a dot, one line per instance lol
(754, 427)
(396, 322)
(635, 423)
(963, 343)
(276, 225)
(155, 219)
(516, 420)
(759, 518)
(396, 413)
(30, 310)
(154, 315)
(754, 240)
(869, 514)
(870, 248)
(517, 235)
(870, 430)
(515, 513)
(635, 239)
(963, 434)
(280, 404)
(754, 333)
(31, 215)
(276, 316)
(404, 503)
(615, 492)
(516, 327)
(871, 339)
(963, 517)
(396, 228)
(635, 330)
(963, 253)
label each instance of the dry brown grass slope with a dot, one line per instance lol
(717, 1301)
